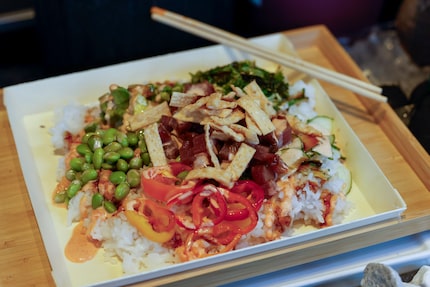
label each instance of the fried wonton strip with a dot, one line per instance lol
(216, 103)
(233, 118)
(254, 90)
(155, 145)
(250, 136)
(251, 125)
(240, 161)
(261, 119)
(228, 131)
(210, 147)
(191, 113)
(180, 100)
(149, 116)
(217, 174)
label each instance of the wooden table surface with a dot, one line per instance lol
(24, 261)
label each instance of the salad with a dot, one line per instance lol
(233, 157)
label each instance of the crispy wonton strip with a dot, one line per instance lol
(191, 113)
(254, 90)
(211, 172)
(155, 145)
(257, 114)
(210, 147)
(240, 161)
(250, 136)
(180, 100)
(149, 116)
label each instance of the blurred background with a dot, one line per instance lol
(389, 39)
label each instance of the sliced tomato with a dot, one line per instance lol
(161, 184)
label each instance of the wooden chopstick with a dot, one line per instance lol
(229, 39)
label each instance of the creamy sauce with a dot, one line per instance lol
(79, 249)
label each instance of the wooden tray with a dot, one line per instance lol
(397, 152)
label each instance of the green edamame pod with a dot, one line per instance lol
(133, 178)
(109, 206)
(122, 190)
(98, 157)
(117, 177)
(97, 200)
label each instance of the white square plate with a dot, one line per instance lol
(31, 108)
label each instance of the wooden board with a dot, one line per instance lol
(403, 160)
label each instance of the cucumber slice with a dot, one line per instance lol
(345, 175)
(324, 124)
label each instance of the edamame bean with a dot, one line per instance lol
(95, 141)
(109, 136)
(88, 175)
(73, 188)
(126, 153)
(133, 139)
(86, 136)
(87, 165)
(117, 177)
(60, 197)
(142, 146)
(133, 178)
(97, 200)
(82, 149)
(109, 206)
(146, 159)
(122, 138)
(98, 157)
(122, 165)
(77, 163)
(111, 157)
(71, 174)
(135, 163)
(90, 128)
(107, 166)
(113, 146)
(122, 190)
(88, 157)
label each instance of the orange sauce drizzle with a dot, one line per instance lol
(79, 248)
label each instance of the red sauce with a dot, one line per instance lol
(79, 248)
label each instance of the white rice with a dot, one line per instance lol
(136, 253)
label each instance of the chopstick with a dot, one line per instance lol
(229, 39)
